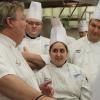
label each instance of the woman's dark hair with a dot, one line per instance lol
(58, 42)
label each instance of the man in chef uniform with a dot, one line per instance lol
(83, 28)
(34, 46)
(17, 80)
(85, 52)
(96, 88)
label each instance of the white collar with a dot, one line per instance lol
(6, 40)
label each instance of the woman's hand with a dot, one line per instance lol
(46, 88)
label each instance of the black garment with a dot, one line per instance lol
(32, 37)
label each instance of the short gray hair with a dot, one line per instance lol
(8, 10)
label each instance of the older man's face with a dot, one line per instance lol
(94, 30)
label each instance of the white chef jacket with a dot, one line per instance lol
(86, 55)
(96, 88)
(12, 62)
(39, 45)
(70, 40)
(68, 82)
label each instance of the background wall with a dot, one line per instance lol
(70, 22)
(47, 28)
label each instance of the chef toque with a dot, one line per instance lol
(58, 32)
(34, 11)
(96, 14)
(83, 26)
(55, 21)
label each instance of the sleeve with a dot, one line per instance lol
(96, 88)
(45, 58)
(40, 77)
(85, 90)
(5, 65)
(43, 75)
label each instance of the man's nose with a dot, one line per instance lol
(96, 29)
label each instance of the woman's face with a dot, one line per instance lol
(58, 54)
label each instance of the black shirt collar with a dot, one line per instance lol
(32, 37)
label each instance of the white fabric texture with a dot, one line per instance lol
(55, 22)
(58, 32)
(96, 14)
(35, 11)
(96, 88)
(40, 46)
(12, 62)
(70, 40)
(86, 55)
(68, 82)
(83, 26)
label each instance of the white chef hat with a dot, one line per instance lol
(34, 11)
(58, 32)
(96, 14)
(55, 21)
(83, 26)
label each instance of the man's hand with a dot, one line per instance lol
(34, 60)
(46, 88)
(26, 53)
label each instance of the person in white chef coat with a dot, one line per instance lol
(83, 28)
(17, 80)
(34, 46)
(96, 88)
(85, 52)
(96, 85)
(68, 81)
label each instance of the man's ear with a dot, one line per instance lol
(9, 22)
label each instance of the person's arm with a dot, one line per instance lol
(85, 90)
(35, 61)
(33, 66)
(16, 89)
